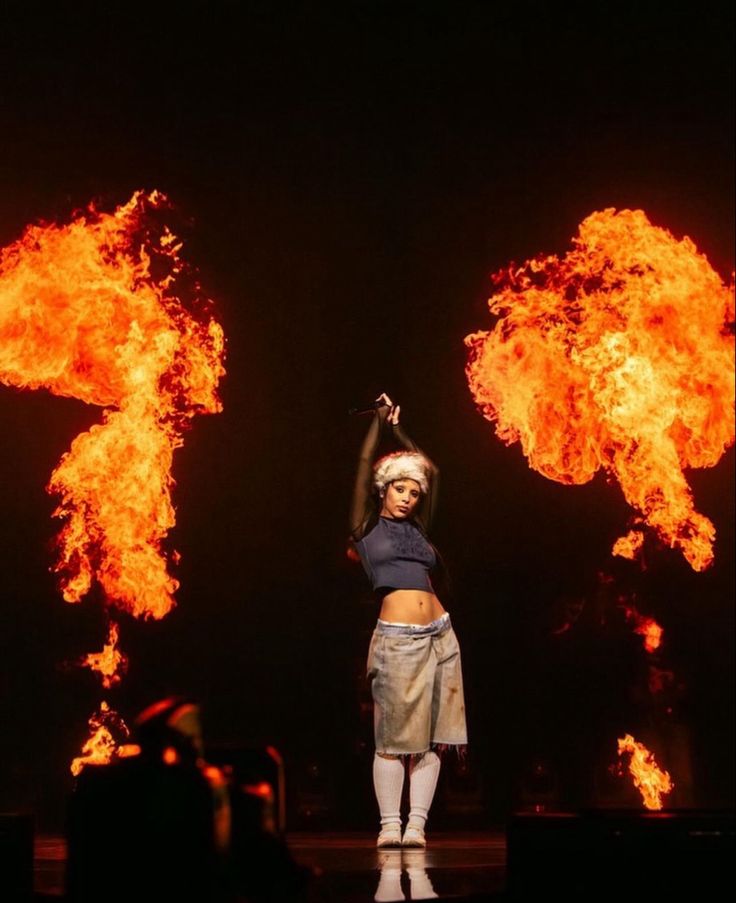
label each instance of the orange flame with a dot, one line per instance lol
(651, 782)
(643, 626)
(89, 310)
(618, 356)
(652, 633)
(101, 746)
(110, 662)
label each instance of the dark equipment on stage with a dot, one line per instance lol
(145, 825)
(166, 823)
(605, 853)
(138, 829)
(255, 776)
(16, 855)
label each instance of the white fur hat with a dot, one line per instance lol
(401, 466)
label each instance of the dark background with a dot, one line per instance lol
(347, 176)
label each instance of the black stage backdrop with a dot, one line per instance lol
(347, 176)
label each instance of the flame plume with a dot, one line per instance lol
(618, 356)
(88, 310)
(102, 745)
(91, 310)
(650, 780)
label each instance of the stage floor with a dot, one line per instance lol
(349, 868)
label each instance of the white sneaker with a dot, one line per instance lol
(389, 837)
(413, 837)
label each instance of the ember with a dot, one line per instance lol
(643, 626)
(109, 663)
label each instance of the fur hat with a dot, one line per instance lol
(401, 466)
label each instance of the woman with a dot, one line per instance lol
(414, 658)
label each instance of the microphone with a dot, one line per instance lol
(369, 408)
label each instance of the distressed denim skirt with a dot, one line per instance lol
(417, 687)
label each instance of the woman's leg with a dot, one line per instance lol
(423, 774)
(401, 686)
(388, 782)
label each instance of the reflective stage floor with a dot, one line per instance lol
(610, 854)
(348, 867)
(453, 865)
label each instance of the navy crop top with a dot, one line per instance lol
(397, 555)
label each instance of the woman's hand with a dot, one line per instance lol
(393, 410)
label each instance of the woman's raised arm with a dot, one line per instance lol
(361, 508)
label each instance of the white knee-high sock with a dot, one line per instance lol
(388, 781)
(423, 774)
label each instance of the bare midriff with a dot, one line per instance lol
(411, 606)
